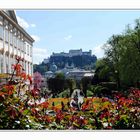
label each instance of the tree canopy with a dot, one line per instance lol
(122, 57)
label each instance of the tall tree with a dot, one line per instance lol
(85, 82)
(123, 51)
(56, 85)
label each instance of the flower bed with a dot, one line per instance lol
(21, 109)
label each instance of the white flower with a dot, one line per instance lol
(105, 124)
(27, 126)
(17, 122)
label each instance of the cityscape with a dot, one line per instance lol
(69, 70)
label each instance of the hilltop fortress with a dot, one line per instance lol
(73, 53)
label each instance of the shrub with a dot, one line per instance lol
(109, 85)
(64, 94)
(89, 93)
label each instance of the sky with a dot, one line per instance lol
(61, 30)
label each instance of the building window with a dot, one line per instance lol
(1, 20)
(31, 51)
(14, 38)
(24, 47)
(1, 63)
(11, 38)
(6, 35)
(27, 49)
(17, 42)
(6, 59)
(21, 48)
(1, 32)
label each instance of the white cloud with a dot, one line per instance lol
(39, 51)
(39, 54)
(23, 23)
(33, 25)
(36, 38)
(98, 51)
(68, 37)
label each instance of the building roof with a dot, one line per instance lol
(49, 72)
(88, 74)
(11, 16)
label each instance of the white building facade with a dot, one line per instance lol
(14, 41)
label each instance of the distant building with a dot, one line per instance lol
(89, 53)
(73, 53)
(14, 41)
(61, 54)
(79, 74)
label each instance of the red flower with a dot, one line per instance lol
(45, 104)
(23, 75)
(85, 107)
(105, 99)
(17, 68)
(34, 111)
(30, 79)
(59, 115)
(117, 117)
(34, 92)
(9, 89)
(12, 112)
(47, 119)
(109, 127)
(73, 118)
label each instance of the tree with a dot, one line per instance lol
(85, 82)
(123, 51)
(113, 51)
(41, 68)
(56, 85)
(103, 72)
(70, 84)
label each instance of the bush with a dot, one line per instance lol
(109, 85)
(64, 94)
(89, 93)
(99, 90)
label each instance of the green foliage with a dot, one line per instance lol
(89, 93)
(109, 85)
(123, 53)
(64, 94)
(103, 70)
(56, 85)
(60, 76)
(59, 84)
(70, 84)
(99, 90)
(85, 82)
(41, 68)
